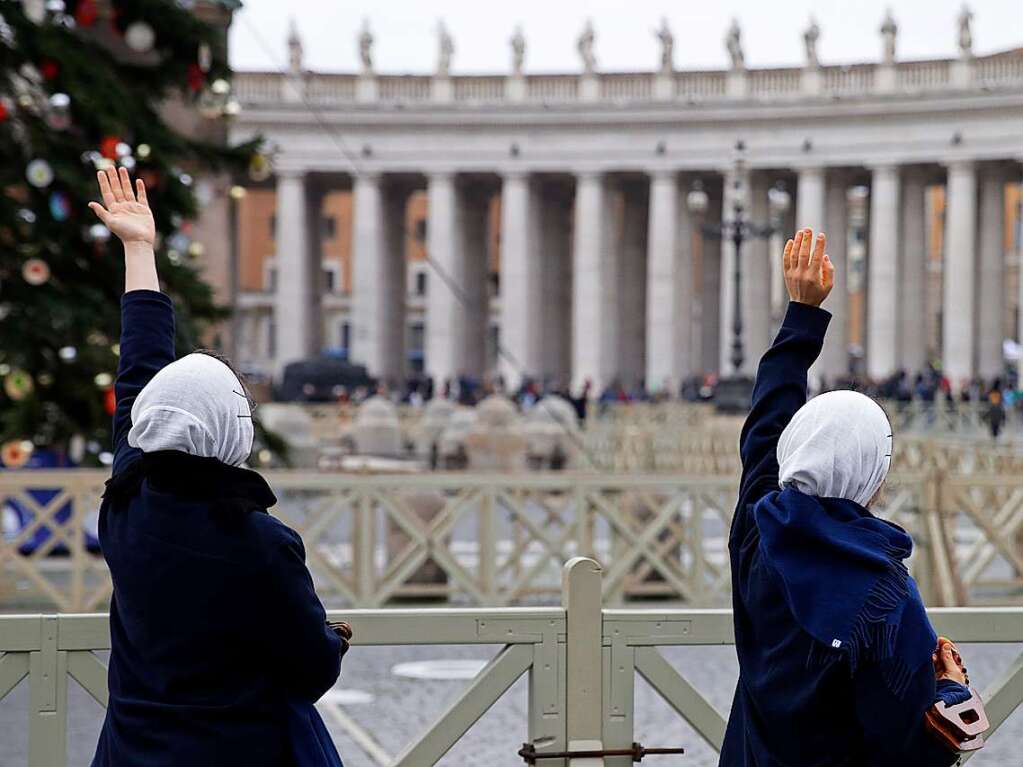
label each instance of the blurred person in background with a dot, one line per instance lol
(219, 644)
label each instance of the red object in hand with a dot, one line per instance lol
(109, 401)
(86, 13)
(49, 69)
(108, 147)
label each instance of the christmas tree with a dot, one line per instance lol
(85, 84)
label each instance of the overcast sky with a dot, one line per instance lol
(405, 31)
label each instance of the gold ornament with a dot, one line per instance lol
(18, 384)
(16, 453)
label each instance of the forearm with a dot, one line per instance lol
(140, 267)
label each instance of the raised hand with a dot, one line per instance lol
(809, 276)
(124, 214)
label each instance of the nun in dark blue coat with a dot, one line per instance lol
(219, 644)
(837, 661)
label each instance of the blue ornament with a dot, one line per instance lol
(60, 206)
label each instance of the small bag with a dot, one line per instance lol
(960, 727)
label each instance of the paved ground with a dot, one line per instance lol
(404, 707)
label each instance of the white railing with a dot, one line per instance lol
(998, 71)
(474, 538)
(852, 79)
(552, 88)
(627, 87)
(774, 82)
(404, 88)
(580, 662)
(479, 89)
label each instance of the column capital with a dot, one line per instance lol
(809, 168)
(369, 176)
(588, 174)
(290, 172)
(962, 165)
(885, 167)
(663, 174)
(441, 174)
(516, 174)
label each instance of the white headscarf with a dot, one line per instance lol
(838, 445)
(196, 405)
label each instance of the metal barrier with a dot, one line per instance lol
(488, 540)
(581, 663)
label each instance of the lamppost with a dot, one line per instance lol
(735, 392)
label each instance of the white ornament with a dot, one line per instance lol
(140, 37)
(39, 174)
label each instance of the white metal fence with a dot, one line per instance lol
(580, 660)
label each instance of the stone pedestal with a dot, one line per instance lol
(376, 430)
(496, 442)
(551, 430)
(589, 88)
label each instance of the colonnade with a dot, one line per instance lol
(610, 276)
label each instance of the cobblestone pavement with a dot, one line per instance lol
(404, 707)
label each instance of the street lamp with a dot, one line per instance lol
(735, 392)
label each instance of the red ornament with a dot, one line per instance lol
(49, 69)
(86, 13)
(195, 78)
(108, 147)
(3, 110)
(109, 401)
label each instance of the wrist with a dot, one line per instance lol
(138, 249)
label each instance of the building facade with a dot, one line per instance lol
(543, 225)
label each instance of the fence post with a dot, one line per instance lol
(580, 581)
(47, 726)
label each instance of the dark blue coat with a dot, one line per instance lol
(786, 710)
(216, 630)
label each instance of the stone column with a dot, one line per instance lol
(631, 284)
(445, 313)
(883, 273)
(810, 199)
(834, 360)
(591, 310)
(756, 279)
(711, 314)
(668, 333)
(913, 275)
(296, 297)
(959, 311)
(555, 215)
(473, 216)
(521, 287)
(991, 275)
(727, 284)
(378, 305)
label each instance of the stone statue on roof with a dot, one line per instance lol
(667, 40)
(889, 33)
(966, 33)
(733, 42)
(518, 46)
(366, 47)
(446, 50)
(585, 46)
(810, 38)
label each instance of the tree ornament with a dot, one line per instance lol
(58, 116)
(259, 167)
(27, 216)
(6, 33)
(140, 37)
(103, 380)
(4, 110)
(142, 151)
(55, 6)
(196, 250)
(221, 87)
(185, 179)
(49, 69)
(35, 272)
(15, 454)
(109, 401)
(122, 149)
(45, 379)
(237, 192)
(108, 147)
(205, 57)
(18, 384)
(60, 206)
(195, 78)
(35, 10)
(179, 241)
(86, 13)
(128, 163)
(68, 353)
(98, 234)
(39, 174)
